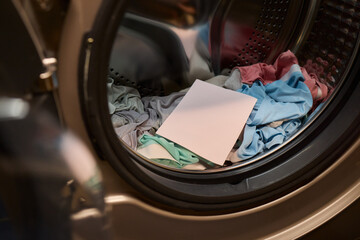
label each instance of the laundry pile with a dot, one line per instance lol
(285, 93)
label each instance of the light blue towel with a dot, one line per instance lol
(286, 99)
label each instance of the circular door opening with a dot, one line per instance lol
(143, 62)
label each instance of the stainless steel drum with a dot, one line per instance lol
(323, 35)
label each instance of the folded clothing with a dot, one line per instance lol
(269, 73)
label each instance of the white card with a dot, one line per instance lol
(208, 120)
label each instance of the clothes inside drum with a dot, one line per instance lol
(152, 67)
(286, 93)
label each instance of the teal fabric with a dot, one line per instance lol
(169, 163)
(180, 154)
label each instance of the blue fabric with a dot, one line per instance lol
(258, 139)
(204, 32)
(287, 99)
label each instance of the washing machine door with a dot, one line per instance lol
(284, 194)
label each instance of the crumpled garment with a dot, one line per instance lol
(129, 125)
(283, 99)
(162, 106)
(179, 156)
(168, 153)
(135, 125)
(288, 98)
(261, 138)
(122, 98)
(233, 82)
(217, 81)
(133, 116)
(230, 82)
(269, 73)
(159, 154)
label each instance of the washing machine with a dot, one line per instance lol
(57, 59)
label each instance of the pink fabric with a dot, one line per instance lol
(269, 73)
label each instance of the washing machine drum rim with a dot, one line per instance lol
(291, 166)
(274, 28)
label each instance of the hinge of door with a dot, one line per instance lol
(47, 81)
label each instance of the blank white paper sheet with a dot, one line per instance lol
(208, 120)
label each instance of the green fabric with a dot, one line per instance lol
(182, 155)
(168, 162)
